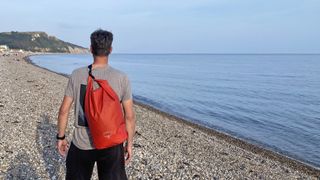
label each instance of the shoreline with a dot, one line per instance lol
(293, 163)
(29, 61)
(257, 149)
(165, 146)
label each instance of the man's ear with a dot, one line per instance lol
(91, 49)
(110, 49)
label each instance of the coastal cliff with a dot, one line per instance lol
(38, 42)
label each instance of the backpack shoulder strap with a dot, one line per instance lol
(90, 71)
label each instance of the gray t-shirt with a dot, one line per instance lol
(76, 89)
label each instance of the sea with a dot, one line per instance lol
(271, 100)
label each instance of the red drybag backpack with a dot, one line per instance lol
(104, 114)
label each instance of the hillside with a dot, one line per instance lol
(38, 42)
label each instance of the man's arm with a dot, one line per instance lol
(62, 123)
(130, 118)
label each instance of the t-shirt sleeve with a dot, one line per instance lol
(69, 89)
(126, 89)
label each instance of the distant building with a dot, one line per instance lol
(4, 48)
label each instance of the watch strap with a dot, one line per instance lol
(60, 138)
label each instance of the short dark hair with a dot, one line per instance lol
(101, 42)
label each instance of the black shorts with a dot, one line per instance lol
(110, 163)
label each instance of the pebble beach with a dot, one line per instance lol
(165, 146)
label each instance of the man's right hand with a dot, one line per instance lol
(62, 147)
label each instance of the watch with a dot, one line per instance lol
(60, 138)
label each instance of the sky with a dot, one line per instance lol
(174, 26)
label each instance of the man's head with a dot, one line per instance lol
(101, 42)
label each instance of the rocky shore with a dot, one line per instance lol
(165, 147)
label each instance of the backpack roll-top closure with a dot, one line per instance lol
(102, 83)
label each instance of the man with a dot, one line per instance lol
(82, 155)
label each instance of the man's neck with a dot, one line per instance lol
(100, 61)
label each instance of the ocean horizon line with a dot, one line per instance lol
(121, 53)
(222, 54)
